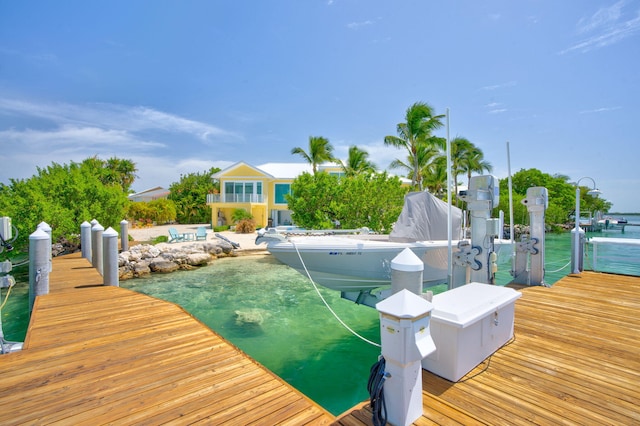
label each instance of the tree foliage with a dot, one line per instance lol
(562, 196)
(158, 211)
(64, 196)
(322, 201)
(190, 196)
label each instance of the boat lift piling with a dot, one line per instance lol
(531, 250)
(479, 256)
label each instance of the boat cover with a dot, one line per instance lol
(424, 218)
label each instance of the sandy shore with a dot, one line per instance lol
(246, 241)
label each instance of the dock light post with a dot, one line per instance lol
(576, 231)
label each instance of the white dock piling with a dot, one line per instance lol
(46, 228)
(39, 249)
(124, 235)
(406, 272)
(96, 246)
(85, 240)
(110, 253)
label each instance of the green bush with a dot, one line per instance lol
(160, 239)
(239, 215)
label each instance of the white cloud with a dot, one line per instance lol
(604, 28)
(358, 25)
(111, 116)
(592, 111)
(499, 86)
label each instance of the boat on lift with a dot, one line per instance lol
(358, 264)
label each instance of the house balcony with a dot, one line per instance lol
(235, 198)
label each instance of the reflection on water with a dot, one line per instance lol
(274, 314)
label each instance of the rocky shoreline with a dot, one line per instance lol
(144, 259)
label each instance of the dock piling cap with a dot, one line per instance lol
(39, 234)
(407, 261)
(404, 305)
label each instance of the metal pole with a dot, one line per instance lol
(449, 212)
(576, 236)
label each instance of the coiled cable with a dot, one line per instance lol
(375, 386)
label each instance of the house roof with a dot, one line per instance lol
(149, 191)
(278, 170)
(285, 170)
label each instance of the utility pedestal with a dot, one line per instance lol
(406, 340)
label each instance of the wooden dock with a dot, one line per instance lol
(97, 355)
(575, 360)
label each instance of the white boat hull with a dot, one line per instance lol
(355, 265)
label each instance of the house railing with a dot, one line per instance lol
(235, 198)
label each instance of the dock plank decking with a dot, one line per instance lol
(575, 360)
(96, 355)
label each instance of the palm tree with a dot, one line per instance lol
(320, 151)
(424, 157)
(435, 176)
(467, 158)
(416, 131)
(357, 162)
(123, 171)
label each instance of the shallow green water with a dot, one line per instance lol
(294, 334)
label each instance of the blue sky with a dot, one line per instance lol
(181, 86)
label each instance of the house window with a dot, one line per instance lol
(281, 190)
(242, 192)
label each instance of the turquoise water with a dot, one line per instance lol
(289, 330)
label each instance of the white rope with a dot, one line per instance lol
(327, 305)
(558, 270)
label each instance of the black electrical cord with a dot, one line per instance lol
(375, 387)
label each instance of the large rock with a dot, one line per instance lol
(163, 266)
(198, 259)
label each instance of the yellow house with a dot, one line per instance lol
(260, 190)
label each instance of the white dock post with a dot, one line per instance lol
(39, 249)
(85, 240)
(110, 252)
(96, 246)
(46, 228)
(406, 340)
(406, 272)
(124, 235)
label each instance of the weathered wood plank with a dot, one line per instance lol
(574, 361)
(99, 354)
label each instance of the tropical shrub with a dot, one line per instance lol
(245, 226)
(239, 215)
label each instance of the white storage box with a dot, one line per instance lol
(468, 324)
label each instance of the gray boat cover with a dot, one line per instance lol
(424, 218)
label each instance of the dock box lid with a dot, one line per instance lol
(468, 304)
